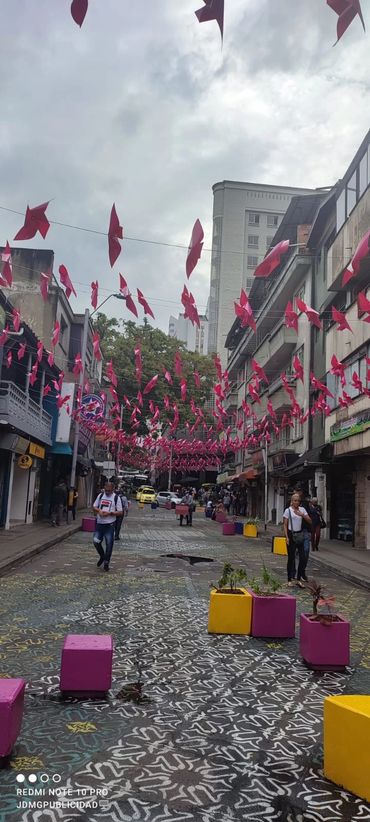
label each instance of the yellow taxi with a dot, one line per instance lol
(147, 494)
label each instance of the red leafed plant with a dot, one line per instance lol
(321, 600)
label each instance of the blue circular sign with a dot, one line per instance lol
(92, 406)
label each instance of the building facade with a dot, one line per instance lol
(24, 408)
(195, 339)
(329, 455)
(246, 217)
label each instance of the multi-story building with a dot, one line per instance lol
(274, 347)
(38, 320)
(330, 453)
(195, 339)
(246, 217)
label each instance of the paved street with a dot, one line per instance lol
(227, 728)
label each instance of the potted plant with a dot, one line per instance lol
(273, 612)
(324, 635)
(250, 528)
(230, 607)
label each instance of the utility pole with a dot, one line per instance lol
(170, 469)
(80, 389)
(266, 484)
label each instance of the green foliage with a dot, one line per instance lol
(267, 586)
(252, 521)
(231, 579)
(118, 340)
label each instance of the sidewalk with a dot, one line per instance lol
(339, 556)
(25, 541)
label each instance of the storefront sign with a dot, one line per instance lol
(36, 450)
(354, 425)
(24, 461)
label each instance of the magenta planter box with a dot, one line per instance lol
(273, 616)
(11, 713)
(228, 529)
(325, 647)
(221, 518)
(88, 524)
(86, 663)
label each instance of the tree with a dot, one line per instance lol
(118, 340)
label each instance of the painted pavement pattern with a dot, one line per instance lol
(230, 727)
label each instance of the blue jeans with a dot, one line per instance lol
(106, 532)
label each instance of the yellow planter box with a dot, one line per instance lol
(250, 530)
(279, 546)
(230, 613)
(347, 743)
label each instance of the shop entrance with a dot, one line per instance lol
(342, 524)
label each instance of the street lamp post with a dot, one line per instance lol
(266, 484)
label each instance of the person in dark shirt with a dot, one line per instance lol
(58, 502)
(317, 523)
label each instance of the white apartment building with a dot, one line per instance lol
(195, 339)
(246, 217)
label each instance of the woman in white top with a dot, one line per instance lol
(292, 519)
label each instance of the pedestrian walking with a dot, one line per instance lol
(318, 522)
(107, 507)
(306, 526)
(227, 501)
(58, 502)
(119, 519)
(293, 518)
(187, 500)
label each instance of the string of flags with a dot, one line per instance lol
(214, 10)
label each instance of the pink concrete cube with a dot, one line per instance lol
(87, 663)
(228, 529)
(11, 713)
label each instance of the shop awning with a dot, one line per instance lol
(60, 449)
(310, 459)
(250, 474)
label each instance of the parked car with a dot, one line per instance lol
(147, 494)
(168, 496)
(163, 497)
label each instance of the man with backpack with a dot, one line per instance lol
(107, 507)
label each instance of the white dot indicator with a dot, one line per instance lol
(57, 777)
(20, 777)
(32, 777)
(44, 777)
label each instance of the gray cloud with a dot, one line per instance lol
(142, 107)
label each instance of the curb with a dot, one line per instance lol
(340, 572)
(24, 556)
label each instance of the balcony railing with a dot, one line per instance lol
(18, 410)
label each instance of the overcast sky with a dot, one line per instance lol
(142, 107)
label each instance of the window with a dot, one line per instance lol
(297, 431)
(269, 241)
(248, 283)
(273, 220)
(363, 177)
(252, 262)
(299, 295)
(351, 193)
(358, 366)
(63, 331)
(254, 219)
(252, 240)
(341, 210)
